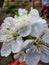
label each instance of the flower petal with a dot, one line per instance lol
(45, 53)
(4, 35)
(6, 48)
(45, 50)
(45, 38)
(17, 45)
(8, 22)
(28, 44)
(22, 12)
(3, 31)
(43, 23)
(45, 58)
(4, 38)
(36, 30)
(34, 12)
(32, 58)
(25, 31)
(21, 22)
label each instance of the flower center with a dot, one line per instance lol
(38, 41)
(15, 35)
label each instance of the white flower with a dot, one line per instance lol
(11, 34)
(8, 29)
(11, 46)
(39, 49)
(14, 46)
(23, 26)
(14, 30)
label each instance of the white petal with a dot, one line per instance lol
(4, 38)
(39, 26)
(45, 54)
(21, 22)
(6, 48)
(17, 45)
(34, 16)
(45, 50)
(46, 38)
(25, 31)
(34, 12)
(28, 43)
(5, 25)
(43, 23)
(45, 58)
(33, 20)
(36, 30)
(22, 12)
(32, 58)
(3, 31)
(8, 22)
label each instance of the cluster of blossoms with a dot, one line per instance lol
(27, 35)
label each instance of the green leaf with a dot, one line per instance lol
(16, 13)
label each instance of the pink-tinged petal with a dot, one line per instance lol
(0, 27)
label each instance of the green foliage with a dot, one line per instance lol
(16, 13)
(9, 9)
(11, 6)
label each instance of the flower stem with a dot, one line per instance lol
(12, 56)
